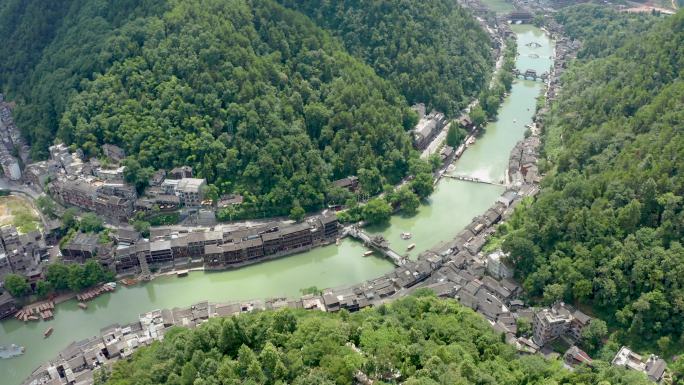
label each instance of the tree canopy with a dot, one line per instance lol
(434, 52)
(258, 98)
(606, 229)
(415, 340)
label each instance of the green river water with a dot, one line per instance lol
(449, 209)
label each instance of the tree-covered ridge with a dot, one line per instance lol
(432, 51)
(50, 47)
(255, 97)
(259, 100)
(602, 29)
(606, 229)
(413, 341)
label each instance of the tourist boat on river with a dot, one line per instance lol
(411, 246)
(82, 305)
(129, 281)
(182, 273)
(470, 141)
(367, 253)
(11, 351)
(48, 332)
(406, 236)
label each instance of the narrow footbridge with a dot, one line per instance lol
(377, 243)
(473, 179)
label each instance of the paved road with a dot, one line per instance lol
(6, 184)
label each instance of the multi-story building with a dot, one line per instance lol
(180, 173)
(559, 320)
(5, 267)
(427, 128)
(191, 191)
(10, 166)
(8, 306)
(227, 247)
(497, 266)
(111, 200)
(654, 367)
(36, 174)
(84, 246)
(21, 253)
(113, 152)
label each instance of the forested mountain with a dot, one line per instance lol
(607, 228)
(253, 96)
(413, 341)
(256, 97)
(49, 48)
(433, 51)
(600, 29)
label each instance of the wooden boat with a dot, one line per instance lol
(129, 281)
(82, 305)
(48, 332)
(367, 253)
(411, 246)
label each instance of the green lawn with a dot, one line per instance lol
(18, 211)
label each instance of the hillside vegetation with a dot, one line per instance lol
(257, 98)
(433, 51)
(253, 96)
(413, 341)
(607, 228)
(50, 48)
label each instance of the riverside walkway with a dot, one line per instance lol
(377, 242)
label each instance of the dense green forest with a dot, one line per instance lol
(601, 29)
(419, 340)
(433, 51)
(256, 97)
(606, 230)
(50, 48)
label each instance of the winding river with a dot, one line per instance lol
(449, 209)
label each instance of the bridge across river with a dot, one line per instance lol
(531, 74)
(473, 179)
(377, 243)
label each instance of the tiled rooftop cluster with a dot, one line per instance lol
(99, 186)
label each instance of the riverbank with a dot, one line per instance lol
(449, 209)
(131, 264)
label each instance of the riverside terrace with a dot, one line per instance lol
(220, 247)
